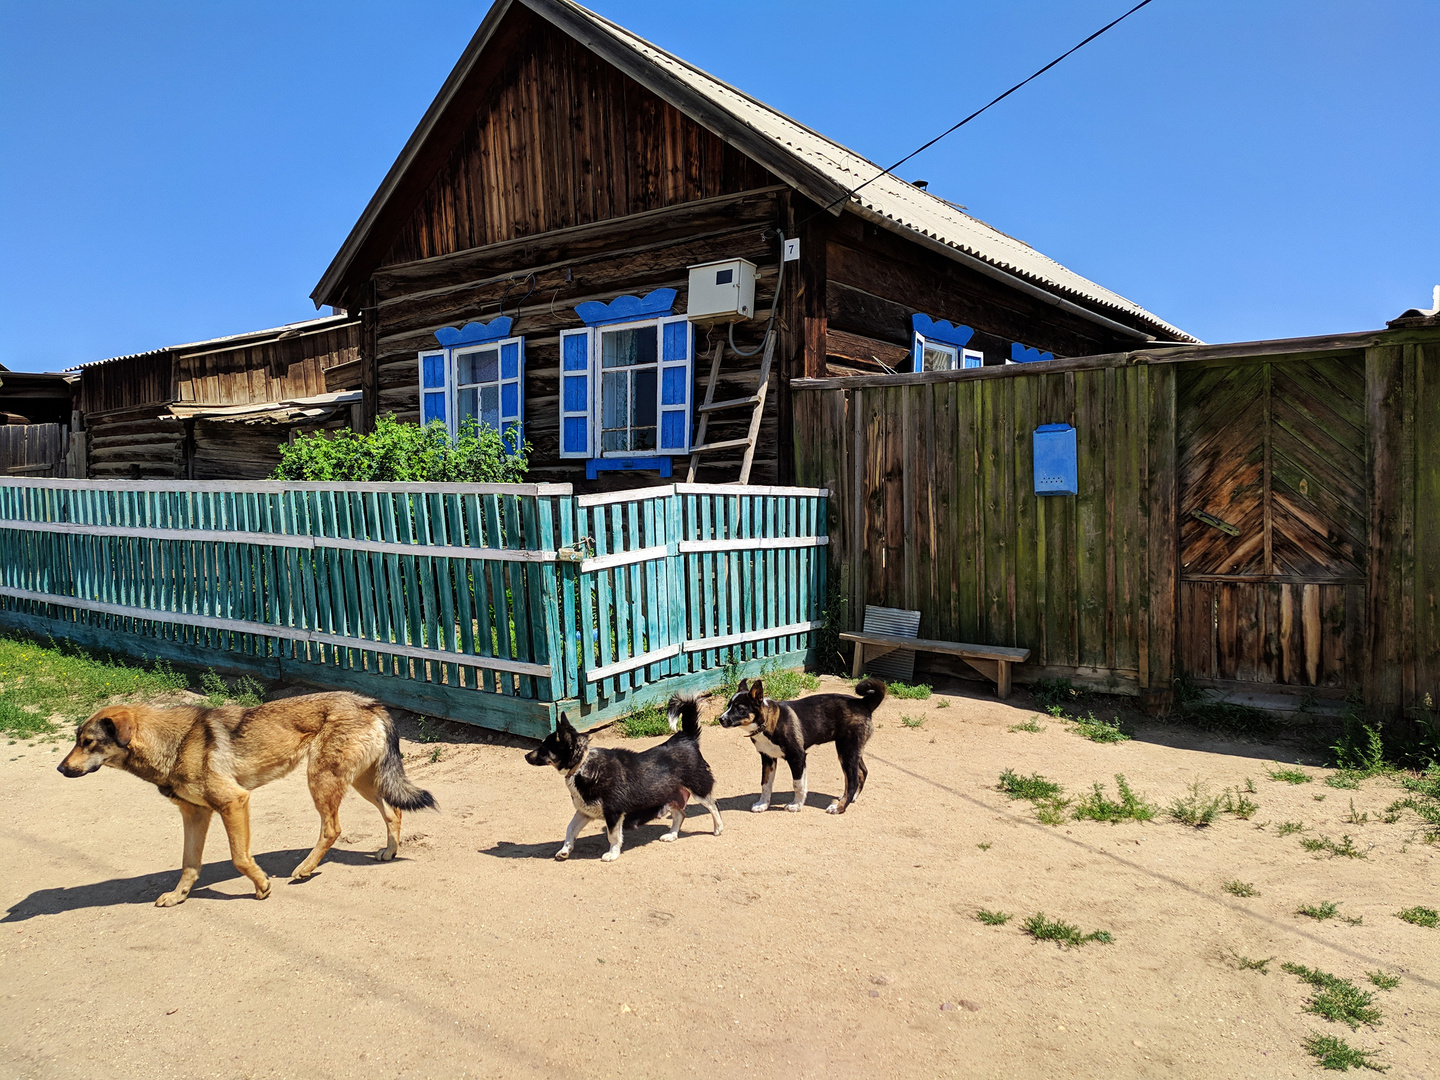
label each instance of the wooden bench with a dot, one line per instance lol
(992, 661)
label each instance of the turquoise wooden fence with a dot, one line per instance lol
(498, 605)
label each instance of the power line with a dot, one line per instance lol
(977, 112)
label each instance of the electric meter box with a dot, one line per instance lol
(722, 290)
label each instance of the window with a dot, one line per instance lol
(970, 358)
(937, 357)
(940, 346)
(483, 382)
(625, 389)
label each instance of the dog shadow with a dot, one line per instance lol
(779, 800)
(592, 845)
(144, 888)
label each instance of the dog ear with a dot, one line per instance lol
(744, 687)
(564, 725)
(757, 691)
(120, 725)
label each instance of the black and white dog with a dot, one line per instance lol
(788, 728)
(620, 785)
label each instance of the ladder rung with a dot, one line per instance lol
(727, 444)
(733, 403)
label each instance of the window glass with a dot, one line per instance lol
(939, 358)
(627, 348)
(478, 367)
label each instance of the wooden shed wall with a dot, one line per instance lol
(272, 370)
(125, 383)
(602, 261)
(932, 508)
(136, 443)
(560, 138)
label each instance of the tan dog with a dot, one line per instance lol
(208, 761)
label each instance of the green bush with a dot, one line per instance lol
(406, 453)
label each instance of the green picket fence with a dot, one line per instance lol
(499, 605)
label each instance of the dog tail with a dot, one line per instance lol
(871, 693)
(684, 715)
(395, 787)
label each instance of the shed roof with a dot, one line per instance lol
(229, 341)
(818, 167)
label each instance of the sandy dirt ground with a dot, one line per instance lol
(795, 945)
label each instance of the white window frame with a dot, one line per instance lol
(451, 355)
(971, 358)
(924, 345)
(597, 372)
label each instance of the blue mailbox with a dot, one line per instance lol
(1056, 469)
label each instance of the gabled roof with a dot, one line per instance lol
(232, 341)
(818, 167)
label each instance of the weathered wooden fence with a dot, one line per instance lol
(499, 605)
(33, 449)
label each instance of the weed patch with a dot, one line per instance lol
(245, 692)
(1030, 787)
(993, 918)
(943, 703)
(1196, 809)
(1344, 779)
(1053, 811)
(1101, 731)
(1323, 847)
(1337, 1000)
(1420, 916)
(1383, 979)
(1237, 804)
(1289, 776)
(1356, 818)
(1338, 1055)
(1062, 933)
(913, 721)
(1033, 726)
(1320, 912)
(1247, 964)
(1097, 806)
(916, 692)
(1054, 693)
(1240, 888)
(1289, 828)
(646, 722)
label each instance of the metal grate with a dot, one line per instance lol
(899, 664)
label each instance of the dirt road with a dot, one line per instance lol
(795, 945)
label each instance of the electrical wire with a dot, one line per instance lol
(774, 306)
(995, 101)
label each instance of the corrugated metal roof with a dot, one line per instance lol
(229, 339)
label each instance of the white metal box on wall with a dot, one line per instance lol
(722, 290)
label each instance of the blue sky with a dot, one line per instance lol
(1267, 168)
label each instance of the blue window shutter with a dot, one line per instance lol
(676, 380)
(577, 389)
(512, 391)
(435, 387)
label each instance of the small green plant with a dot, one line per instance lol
(405, 453)
(1062, 933)
(984, 845)
(1239, 805)
(1355, 817)
(1033, 726)
(1198, 808)
(435, 754)
(1319, 912)
(1356, 920)
(1383, 979)
(1030, 787)
(427, 730)
(1289, 828)
(1423, 799)
(1247, 964)
(1344, 779)
(1101, 731)
(245, 692)
(1338, 1055)
(646, 722)
(913, 721)
(1318, 798)
(1097, 806)
(1240, 888)
(916, 692)
(1420, 916)
(1249, 786)
(1337, 1000)
(1052, 811)
(1360, 748)
(993, 918)
(943, 703)
(1054, 694)
(1289, 776)
(1321, 846)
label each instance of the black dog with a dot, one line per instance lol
(788, 728)
(620, 784)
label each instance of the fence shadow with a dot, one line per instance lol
(144, 888)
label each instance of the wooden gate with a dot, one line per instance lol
(1273, 522)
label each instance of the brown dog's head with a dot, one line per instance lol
(749, 709)
(104, 739)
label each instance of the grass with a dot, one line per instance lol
(1246, 964)
(1337, 1000)
(1053, 811)
(1240, 888)
(1101, 731)
(1345, 779)
(245, 691)
(1420, 916)
(781, 684)
(1198, 808)
(913, 721)
(1423, 800)
(1064, 934)
(1237, 804)
(1031, 787)
(646, 722)
(1097, 806)
(984, 845)
(1033, 726)
(45, 684)
(916, 692)
(1355, 817)
(1321, 846)
(1289, 776)
(1383, 979)
(943, 703)
(993, 918)
(1338, 1055)
(1320, 912)
(1287, 828)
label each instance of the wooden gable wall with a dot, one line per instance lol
(274, 370)
(561, 138)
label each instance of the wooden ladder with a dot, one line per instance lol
(755, 401)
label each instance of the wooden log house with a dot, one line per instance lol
(218, 409)
(567, 164)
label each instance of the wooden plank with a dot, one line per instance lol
(953, 648)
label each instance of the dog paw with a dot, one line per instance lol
(562, 854)
(719, 828)
(669, 836)
(834, 808)
(610, 856)
(170, 899)
(760, 808)
(794, 807)
(300, 874)
(262, 891)
(385, 854)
